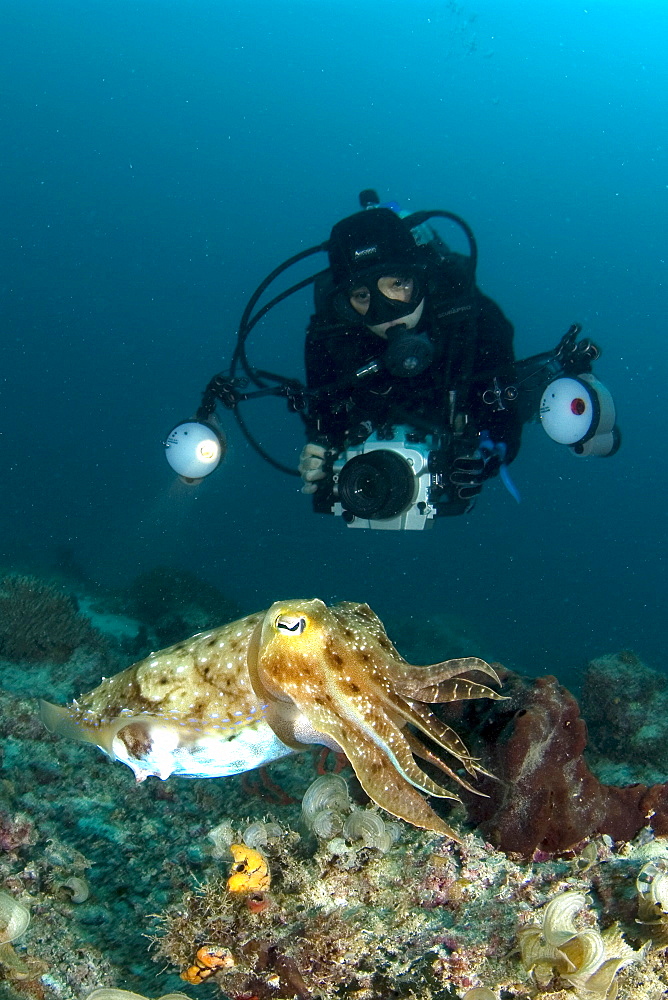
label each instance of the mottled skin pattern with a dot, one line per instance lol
(203, 680)
(302, 672)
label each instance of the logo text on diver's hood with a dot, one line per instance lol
(366, 252)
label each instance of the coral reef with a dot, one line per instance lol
(40, 622)
(426, 920)
(103, 993)
(127, 885)
(337, 924)
(347, 921)
(546, 798)
(625, 704)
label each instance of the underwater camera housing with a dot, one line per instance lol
(384, 483)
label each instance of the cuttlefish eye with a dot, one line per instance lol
(290, 624)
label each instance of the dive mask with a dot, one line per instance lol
(382, 306)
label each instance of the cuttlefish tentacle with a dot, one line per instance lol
(297, 675)
(438, 732)
(420, 750)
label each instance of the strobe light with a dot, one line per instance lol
(580, 412)
(194, 449)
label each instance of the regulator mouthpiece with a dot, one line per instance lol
(408, 353)
(194, 449)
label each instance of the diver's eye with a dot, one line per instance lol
(360, 300)
(294, 626)
(396, 287)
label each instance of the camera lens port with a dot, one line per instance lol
(377, 485)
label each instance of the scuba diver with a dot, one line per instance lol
(413, 397)
(417, 310)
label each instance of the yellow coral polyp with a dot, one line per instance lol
(250, 872)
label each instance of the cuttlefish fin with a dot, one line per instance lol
(63, 722)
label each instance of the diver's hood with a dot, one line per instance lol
(372, 239)
(367, 246)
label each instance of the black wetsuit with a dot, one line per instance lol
(472, 342)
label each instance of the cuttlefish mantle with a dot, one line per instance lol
(276, 683)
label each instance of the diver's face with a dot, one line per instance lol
(399, 289)
(393, 289)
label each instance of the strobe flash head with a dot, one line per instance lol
(580, 412)
(195, 449)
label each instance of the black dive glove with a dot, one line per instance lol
(469, 473)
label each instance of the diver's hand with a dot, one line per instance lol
(311, 466)
(469, 472)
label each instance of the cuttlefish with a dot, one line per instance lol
(279, 682)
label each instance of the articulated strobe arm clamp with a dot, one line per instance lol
(229, 392)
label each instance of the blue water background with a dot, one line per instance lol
(159, 158)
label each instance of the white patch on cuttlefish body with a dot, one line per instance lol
(150, 746)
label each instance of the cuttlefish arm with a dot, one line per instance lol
(340, 669)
